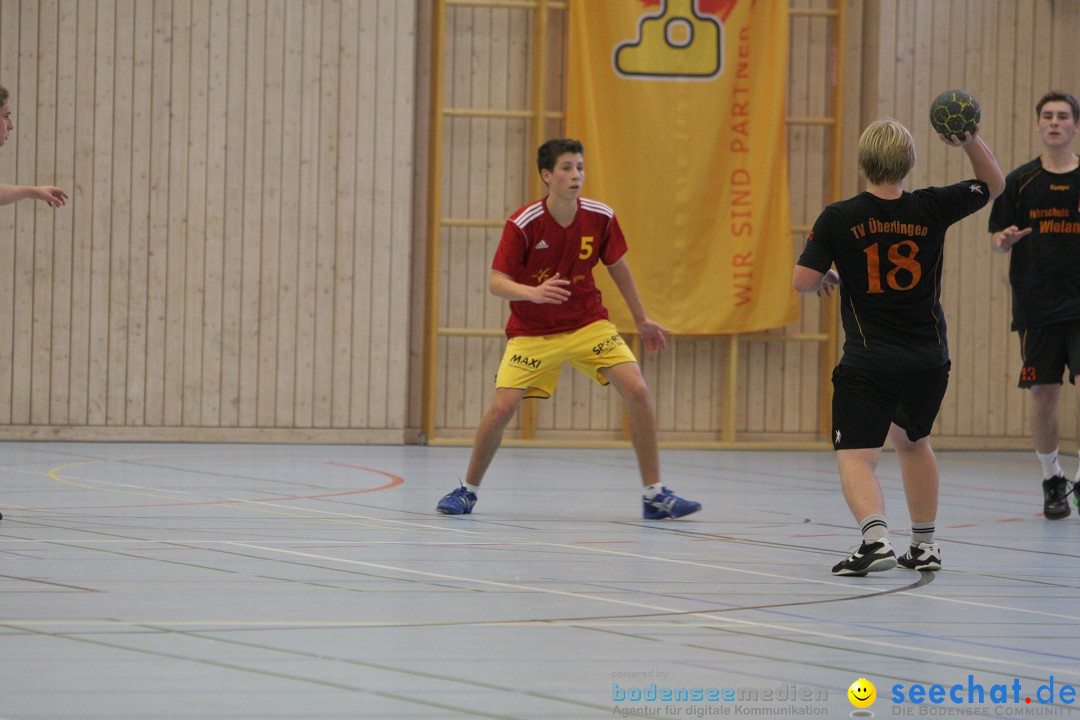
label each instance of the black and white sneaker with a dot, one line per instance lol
(872, 556)
(923, 556)
(1056, 498)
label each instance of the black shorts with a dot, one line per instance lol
(1046, 350)
(865, 402)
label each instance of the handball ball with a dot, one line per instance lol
(954, 112)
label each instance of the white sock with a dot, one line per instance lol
(1051, 467)
(653, 490)
(474, 489)
(874, 528)
(922, 532)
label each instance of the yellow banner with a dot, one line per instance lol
(681, 107)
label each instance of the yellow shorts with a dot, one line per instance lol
(532, 363)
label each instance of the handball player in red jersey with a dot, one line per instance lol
(544, 267)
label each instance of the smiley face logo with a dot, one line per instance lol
(862, 693)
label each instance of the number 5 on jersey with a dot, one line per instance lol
(586, 247)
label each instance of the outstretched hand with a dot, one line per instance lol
(51, 196)
(653, 334)
(552, 291)
(829, 283)
(1009, 237)
(960, 140)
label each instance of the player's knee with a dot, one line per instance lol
(503, 409)
(1044, 403)
(637, 392)
(904, 444)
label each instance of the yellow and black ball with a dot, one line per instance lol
(954, 112)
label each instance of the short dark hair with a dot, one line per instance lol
(550, 151)
(1058, 96)
(4, 95)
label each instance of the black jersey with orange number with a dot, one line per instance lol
(888, 254)
(1044, 267)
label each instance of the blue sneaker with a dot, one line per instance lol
(667, 504)
(458, 502)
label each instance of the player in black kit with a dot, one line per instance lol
(887, 246)
(1037, 218)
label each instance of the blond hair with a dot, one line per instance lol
(886, 152)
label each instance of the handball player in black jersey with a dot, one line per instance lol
(886, 245)
(1037, 221)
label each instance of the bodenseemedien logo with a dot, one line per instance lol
(653, 699)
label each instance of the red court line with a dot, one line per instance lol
(159, 548)
(1004, 491)
(395, 480)
(721, 539)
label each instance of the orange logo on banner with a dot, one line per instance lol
(676, 43)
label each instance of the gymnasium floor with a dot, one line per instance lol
(241, 581)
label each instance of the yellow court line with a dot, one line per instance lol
(238, 502)
(248, 504)
(54, 474)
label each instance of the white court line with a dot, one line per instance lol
(344, 517)
(1059, 616)
(350, 624)
(591, 548)
(833, 637)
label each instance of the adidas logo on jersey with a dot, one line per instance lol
(542, 245)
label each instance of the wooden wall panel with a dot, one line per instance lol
(899, 53)
(8, 58)
(1008, 61)
(45, 161)
(157, 268)
(366, 175)
(235, 261)
(22, 357)
(231, 36)
(63, 134)
(238, 256)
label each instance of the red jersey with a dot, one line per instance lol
(534, 247)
